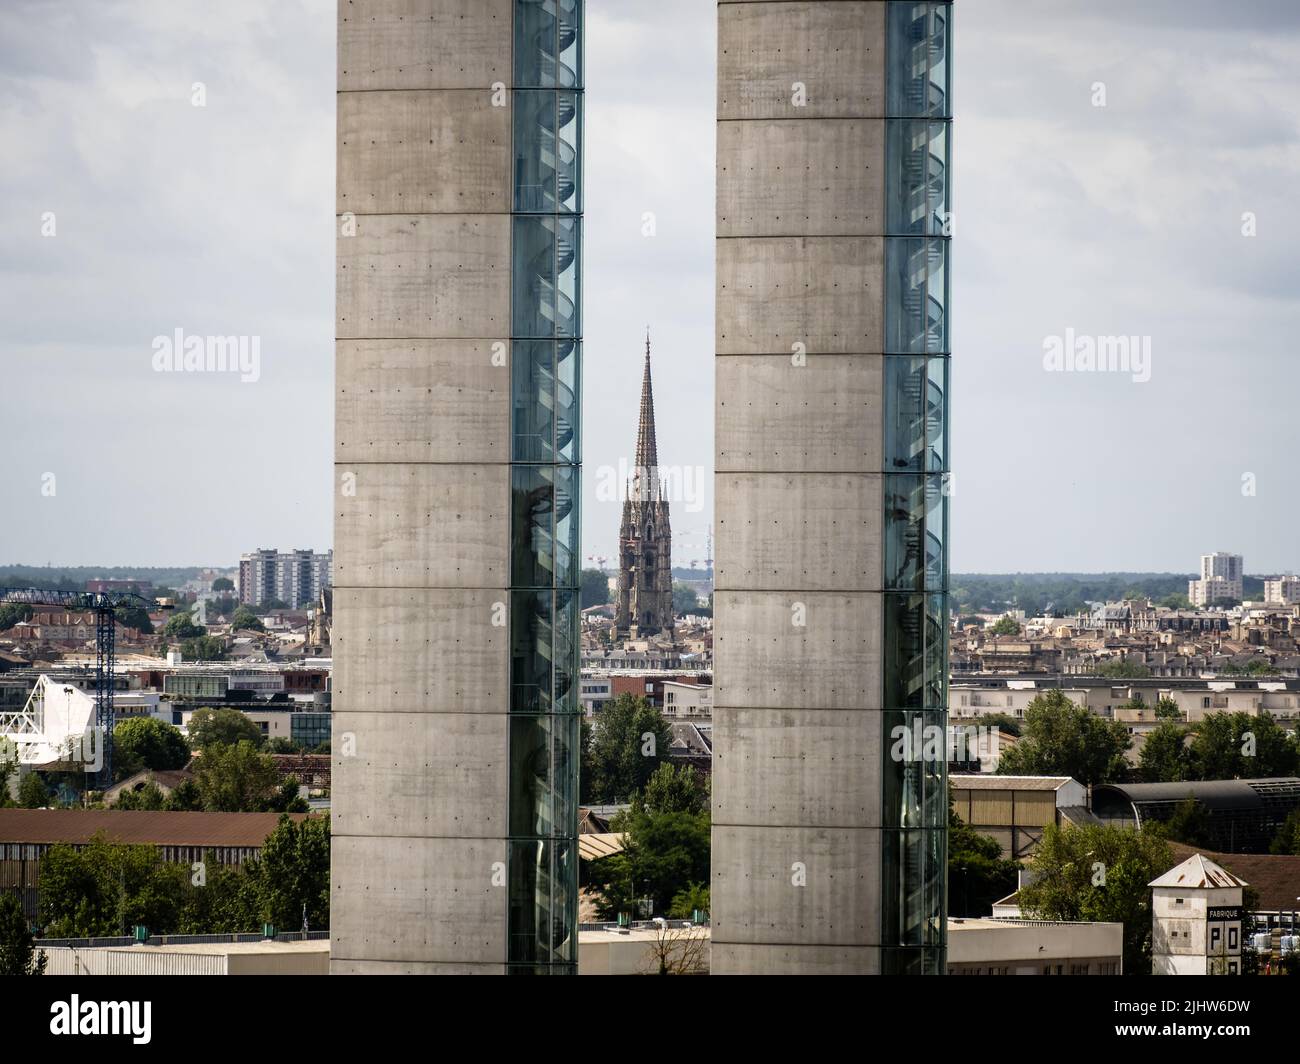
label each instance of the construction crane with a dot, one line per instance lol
(104, 604)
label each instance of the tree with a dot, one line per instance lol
(1100, 873)
(1063, 739)
(224, 606)
(203, 648)
(134, 616)
(1165, 757)
(1241, 746)
(185, 798)
(1006, 625)
(235, 779)
(18, 955)
(246, 619)
(674, 789)
(1003, 722)
(32, 792)
(1123, 669)
(684, 598)
(978, 874)
(294, 873)
(222, 727)
(107, 888)
(223, 583)
(182, 626)
(1287, 840)
(149, 797)
(1168, 709)
(12, 613)
(1190, 824)
(594, 589)
(686, 903)
(8, 767)
(144, 742)
(663, 855)
(677, 951)
(629, 741)
(1176, 601)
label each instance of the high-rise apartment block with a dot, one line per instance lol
(458, 348)
(1221, 580)
(1282, 591)
(296, 577)
(829, 805)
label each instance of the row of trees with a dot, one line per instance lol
(1060, 738)
(106, 888)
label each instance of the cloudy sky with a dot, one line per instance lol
(1071, 219)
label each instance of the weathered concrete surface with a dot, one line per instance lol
(423, 44)
(820, 178)
(417, 900)
(782, 767)
(393, 149)
(819, 886)
(764, 660)
(424, 525)
(834, 49)
(763, 408)
(425, 276)
(825, 293)
(417, 650)
(422, 401)
(793, 531)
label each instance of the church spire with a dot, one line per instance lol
(647, 452)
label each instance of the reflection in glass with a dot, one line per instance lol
(916, 422)
(915, 534)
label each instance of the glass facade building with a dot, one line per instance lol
(914, 797)
(546, 355)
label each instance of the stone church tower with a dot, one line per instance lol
(645, 540)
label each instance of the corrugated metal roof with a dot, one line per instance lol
(1009, 783)
(36, 826)
(591, 847)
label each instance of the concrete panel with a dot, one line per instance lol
(754, 870)
(418, 651)
(410, 276)
(424, 526)
(729, 958)
(421, 774)
(823, 292)
(823, 416)
(423, 44)
(836, 50)
(417, 900)
(797, 177)
(420, 401)
(800, 531)
(393, 148)
(765, 660)
(781, 767)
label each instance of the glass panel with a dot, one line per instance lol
(916, 421)
(918, 178)
(544, 400)
(915, 639)
(915, 533)
(546, 279)
(913, 887)
(918, 60)
(541, 769)
(547, 128)
(544, 526)
(916, 296)
(544, 653)
(543, 907)
(548, 47)
(917, 747)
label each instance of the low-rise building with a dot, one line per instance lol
(1034, 947)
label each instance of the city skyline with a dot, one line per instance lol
(1137, 207)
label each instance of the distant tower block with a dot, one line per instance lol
(645, 538)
